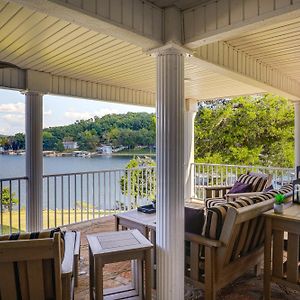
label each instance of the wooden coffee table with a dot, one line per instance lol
(110, 247)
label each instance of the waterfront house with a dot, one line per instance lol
(70, 145)
(163, 53)
(105, 149)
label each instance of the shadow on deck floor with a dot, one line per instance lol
(247, 287)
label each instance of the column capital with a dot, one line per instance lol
(191, 105)
(296, 102)
(170, 48)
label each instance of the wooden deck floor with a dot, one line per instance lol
(247, 287)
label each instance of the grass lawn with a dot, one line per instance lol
(61, 218)
(143, 151)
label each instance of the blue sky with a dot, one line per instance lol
(57, 110)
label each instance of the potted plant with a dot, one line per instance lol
(278, 205)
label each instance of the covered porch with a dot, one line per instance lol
(167, 54)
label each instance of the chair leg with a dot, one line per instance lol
(210, 275)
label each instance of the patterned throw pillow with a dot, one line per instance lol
(36, 235)
(257, 182)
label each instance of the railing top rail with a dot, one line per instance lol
(99, 171)
(243, 166)
(14, 178)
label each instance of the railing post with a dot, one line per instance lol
(189, 118)
(34, 160)
(297, 133)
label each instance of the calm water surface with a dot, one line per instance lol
(14, 165)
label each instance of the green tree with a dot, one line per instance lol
(139, 181)
(8, 199)
(88, 140)
(246, 130)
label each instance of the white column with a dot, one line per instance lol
(297, 133)
(34, 160)
(189, 118)
(170, 173)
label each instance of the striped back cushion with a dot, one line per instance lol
(36, 235)
(287, 188)
(257, 182)
(215, 217)
(214, 202)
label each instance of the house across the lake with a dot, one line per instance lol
(70, 145)
(105, 149)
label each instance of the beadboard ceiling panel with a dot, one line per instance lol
(36, 41)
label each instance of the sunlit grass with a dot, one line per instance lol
(50, 219)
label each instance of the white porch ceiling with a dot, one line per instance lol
(36, 41)
(277, 46)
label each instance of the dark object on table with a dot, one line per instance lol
(147, 209)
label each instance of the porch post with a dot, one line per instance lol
(297, 133)
(170, 171)
(34, 160)
(189, 118)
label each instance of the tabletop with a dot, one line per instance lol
(117, 241)
(291, 213)
(138, 217)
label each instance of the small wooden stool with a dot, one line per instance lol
(111, 247)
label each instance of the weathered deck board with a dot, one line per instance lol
(247, 287)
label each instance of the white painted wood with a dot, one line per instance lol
(170, 163)
(227, 19)
(297, 133)
(191, 107)
(233, 65)
(105, 16)
(34, 160)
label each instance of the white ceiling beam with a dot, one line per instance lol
(64, 86)
(235, 64)
(226, 19)
(137, 22)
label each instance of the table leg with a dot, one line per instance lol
(267, 259)
(91, 277)
(98, 279)
(117, 221)
(153, 251)
(148, 275)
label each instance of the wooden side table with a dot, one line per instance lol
(276, 267)
(110, 247)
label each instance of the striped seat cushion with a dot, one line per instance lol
(287, 188)
(214, 202)
(257, 183)
(36, 235)
(215, 217)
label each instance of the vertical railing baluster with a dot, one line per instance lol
(19, 204)
(10, 207)
(55, 201)
(62, 199)
(99, 195)
(75, 198)
(88, 195)
(69, 199)
(1, 208)
(48, 202)
(81, 197)
(93, 195)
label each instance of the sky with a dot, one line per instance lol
(57, 110)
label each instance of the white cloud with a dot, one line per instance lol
(14, 118)
(18, 107)
(77, 115)
(48, 112)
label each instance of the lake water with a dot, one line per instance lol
(14, 165)
(101, 190)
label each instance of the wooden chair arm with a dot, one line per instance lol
(68, 261)
(201, 240)
(217, 187)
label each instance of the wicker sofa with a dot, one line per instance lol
(231, 242)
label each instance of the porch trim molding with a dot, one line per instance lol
(47, 83)
(227, 60)
(224, 19)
